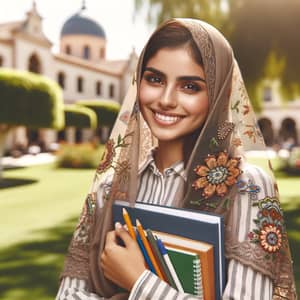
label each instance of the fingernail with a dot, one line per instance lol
(118, 225)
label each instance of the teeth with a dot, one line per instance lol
(166, 119)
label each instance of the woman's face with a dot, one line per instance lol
(173, 94)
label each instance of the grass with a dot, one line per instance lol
(39, 215)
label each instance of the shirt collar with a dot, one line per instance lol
(149, 163)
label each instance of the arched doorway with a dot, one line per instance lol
(267, 131)
(288, 131)
(34, 64)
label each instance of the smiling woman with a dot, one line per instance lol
(181, 140)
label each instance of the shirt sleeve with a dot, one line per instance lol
(75, 289)
(245, 283)
(149, 286)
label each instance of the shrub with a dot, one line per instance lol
(80, 117)
(79, 156)
(106, 110)
(30, 99)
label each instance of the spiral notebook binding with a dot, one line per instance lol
(198, 288)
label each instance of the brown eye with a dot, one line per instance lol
(190, 87)
(153, 79)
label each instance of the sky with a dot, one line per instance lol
(123, 31)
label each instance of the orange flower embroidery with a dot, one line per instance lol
(270, 238)
(236, 142)
(217, 175)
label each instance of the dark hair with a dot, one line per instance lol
(171, 35)
(175, 35)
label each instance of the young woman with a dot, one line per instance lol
(181, 140)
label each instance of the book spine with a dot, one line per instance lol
(198, 289)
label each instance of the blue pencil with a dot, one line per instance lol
(142, 247)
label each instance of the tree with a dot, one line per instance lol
(254, 28)
(106, 111)
(28, 99)
(80, 117)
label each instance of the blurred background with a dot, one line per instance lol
(64, 69)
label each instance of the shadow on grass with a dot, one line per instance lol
(30, 270)
(15, 182)
(292, 220)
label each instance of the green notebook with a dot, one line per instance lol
(188, 268)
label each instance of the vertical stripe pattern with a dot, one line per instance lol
(160, 188)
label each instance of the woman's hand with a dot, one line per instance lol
(122, 265)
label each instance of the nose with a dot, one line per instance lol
(168, 98)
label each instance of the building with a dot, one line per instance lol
(80, 67)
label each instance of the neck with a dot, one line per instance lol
(168, 153)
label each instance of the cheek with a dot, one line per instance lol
(148, 94)
(197, 106)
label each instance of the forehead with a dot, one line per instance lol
(175, 61)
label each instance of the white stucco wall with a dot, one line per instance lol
(90, 77)
(6, 53)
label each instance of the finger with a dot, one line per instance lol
(123, 234)
(111, 238)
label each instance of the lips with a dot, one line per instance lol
(167, 118)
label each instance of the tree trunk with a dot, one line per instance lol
(4, 131)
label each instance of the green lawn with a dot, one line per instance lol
(39, 216)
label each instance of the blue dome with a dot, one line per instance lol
(79, 24)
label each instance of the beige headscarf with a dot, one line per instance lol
(229, 132)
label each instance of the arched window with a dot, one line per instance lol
(86, 52)
(68, 49)
(111, 91)
(34, 64)
(102, 52)
(79, 84)
(1, 60)
(61, 79)
(98, 88)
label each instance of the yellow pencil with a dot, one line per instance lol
(128, 223)
(148, 249)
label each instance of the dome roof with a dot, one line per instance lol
(79, 24)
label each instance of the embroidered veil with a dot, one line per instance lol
(218, 158)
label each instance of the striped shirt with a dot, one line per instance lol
(243, 283)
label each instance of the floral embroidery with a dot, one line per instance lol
(224, 129)
(235, 106)
(122, 169)
(246, 109)
(81, 234)
(253, 132)
(107, 160)
(248, 187)
(217, 175)
(213, 144)
(270, 225)
(124, 117)
(236, 142)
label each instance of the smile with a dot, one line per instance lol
(167, 119)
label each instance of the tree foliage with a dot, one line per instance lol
(29, 99)
(254, 28)
(80, 116)
(106, 110)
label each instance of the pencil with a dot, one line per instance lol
(148, 249)
(164, 253)
(128, 223)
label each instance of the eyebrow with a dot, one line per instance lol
(186, 78)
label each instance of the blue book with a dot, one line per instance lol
(196, 225)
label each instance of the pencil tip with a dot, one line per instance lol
(124, 210)
(137, 222)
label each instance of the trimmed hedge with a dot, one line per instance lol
(79, 156)
(80, 116)
(106, 110)
(30, 99)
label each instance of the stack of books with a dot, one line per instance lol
(183, 247)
